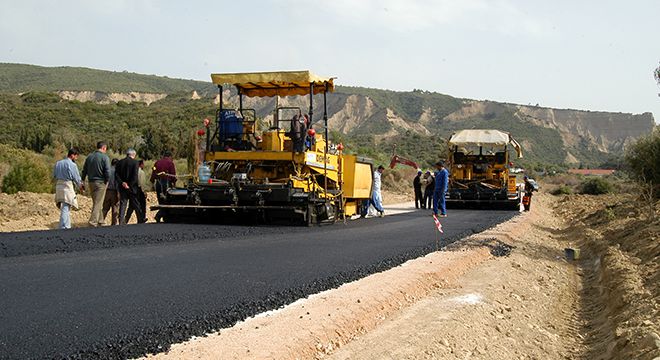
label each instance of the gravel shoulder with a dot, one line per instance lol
(521, 306)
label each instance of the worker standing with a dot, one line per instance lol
(441, 185)
(126, 175)
(97, 172)
(419, 195)
(429, 181)
(111, 200)
(376, 199)
(67, 176)
(529, 189)
(376, 196)
(141, 195)
(163, 174)
(298, 132)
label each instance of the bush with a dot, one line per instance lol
(642, 159)
(562, 190)
(35, 97)
(28, 175)
(596, 186)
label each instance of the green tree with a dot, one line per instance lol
(156, 139)
(643, 161)
(28, 175)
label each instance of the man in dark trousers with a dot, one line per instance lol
(298, 132)
(419, 196)
(142, 195)
(126, 175)
(441, 184)
(529, 189)
(429, 180)
(163, 174)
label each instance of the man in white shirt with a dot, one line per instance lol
(376, 198)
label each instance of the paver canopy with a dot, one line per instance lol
(279, 83)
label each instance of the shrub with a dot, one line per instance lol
(642, 159)
(596, 186)
(562, 190)
(35, 97)
(29, 175)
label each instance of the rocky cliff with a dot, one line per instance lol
(557, 135)
(110, 98)
(547, 135)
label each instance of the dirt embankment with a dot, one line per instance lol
(619, 237)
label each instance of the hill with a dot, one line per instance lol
(19, 78)
(152, 111)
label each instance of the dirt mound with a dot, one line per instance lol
(25, 211)
(29, 211)
(618, 237)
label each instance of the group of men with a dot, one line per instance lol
(434, 185)
(430, 189)
(118, 186)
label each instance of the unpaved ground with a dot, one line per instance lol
(26, 211)
(463, 303)
(29, 211)
(619, 236)
(535, 304)
(523, 306)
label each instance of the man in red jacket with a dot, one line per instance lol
(163, 174)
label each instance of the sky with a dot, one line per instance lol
(591, 55)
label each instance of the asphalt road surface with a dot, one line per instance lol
(121, 292)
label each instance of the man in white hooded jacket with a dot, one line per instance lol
(376, 198)
(66, 174)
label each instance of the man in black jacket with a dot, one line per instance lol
(419, 195)
(126, 176)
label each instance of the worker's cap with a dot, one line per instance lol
(428, 171)
(419, 171)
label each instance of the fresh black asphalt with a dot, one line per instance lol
(122, 292)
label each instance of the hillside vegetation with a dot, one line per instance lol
(19, 78)
(369, 121)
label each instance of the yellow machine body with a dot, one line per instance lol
(284, 170)
(479, 169)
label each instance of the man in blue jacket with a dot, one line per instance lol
(441, 184)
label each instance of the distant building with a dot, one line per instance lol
(592, 172)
